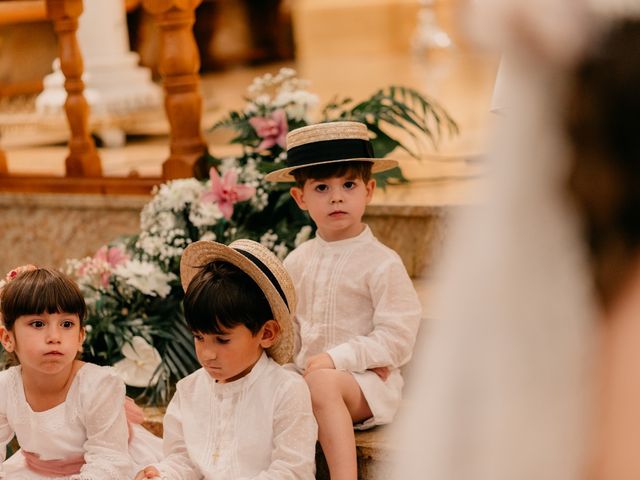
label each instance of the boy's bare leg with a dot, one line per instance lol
(338, 403)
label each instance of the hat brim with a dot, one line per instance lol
(378, 165)
(200, 253)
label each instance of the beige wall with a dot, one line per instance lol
(47, 229)
(365, 27)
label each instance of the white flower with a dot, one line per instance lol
(284, 73)
(250, 109)
(281, 250)
(139, 363)
(296, 103)
(227, 163)
(262, 99)
(269, 239)
(165, 221)
(209, 236)
(162, 246)
(203, 214)
(146, 277)
(281, 158)
(170, 199)
(303, 235)
(250, 174)
(260, 200)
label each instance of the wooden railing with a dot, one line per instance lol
(179, 63)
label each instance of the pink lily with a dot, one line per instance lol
(114, 256)
(226, 192)
(273, 130)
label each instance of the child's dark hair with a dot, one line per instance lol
(603, 127)
(42, 290)
(221, 297)
(356, 169)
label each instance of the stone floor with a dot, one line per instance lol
(461, 81)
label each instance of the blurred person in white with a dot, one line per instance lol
(602, 122)
(511, 384)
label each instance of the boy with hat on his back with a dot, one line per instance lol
(358, 313)
(241, 415)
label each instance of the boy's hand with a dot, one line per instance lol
(382, 372)
(318, 362)
(147, 472)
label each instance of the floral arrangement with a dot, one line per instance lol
(132, 286)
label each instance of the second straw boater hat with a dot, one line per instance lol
(330, 142)
(264, 268)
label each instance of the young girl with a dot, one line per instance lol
(68, 416)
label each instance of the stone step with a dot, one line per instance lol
(410, 218)
(374, 451)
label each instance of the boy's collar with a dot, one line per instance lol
(246, 381)
(366, 234)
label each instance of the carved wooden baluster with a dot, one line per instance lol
(4, 170)
(178, 65)
(83, 159)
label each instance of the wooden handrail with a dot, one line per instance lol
(22, 11)
(35, 10)
(102, 185)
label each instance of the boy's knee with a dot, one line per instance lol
(324, 386)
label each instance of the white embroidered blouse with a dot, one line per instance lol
(260, 427)
(356, 302)
(90, 422)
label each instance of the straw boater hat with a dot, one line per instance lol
(328, 143)
(264, 268)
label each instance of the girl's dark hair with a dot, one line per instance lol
(357, 169)
(42, 290)
(604, 131)
(221, 297)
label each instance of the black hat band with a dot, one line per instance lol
(328, 150)
(264, 269)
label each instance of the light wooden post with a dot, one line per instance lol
(178, 65)
(83, 159)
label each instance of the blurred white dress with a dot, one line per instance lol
(504, 380)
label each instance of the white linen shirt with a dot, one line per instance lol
(90, 422)
(356, 302)
(259, 427)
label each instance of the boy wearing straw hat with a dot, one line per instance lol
(358, 312)
(241, 415)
